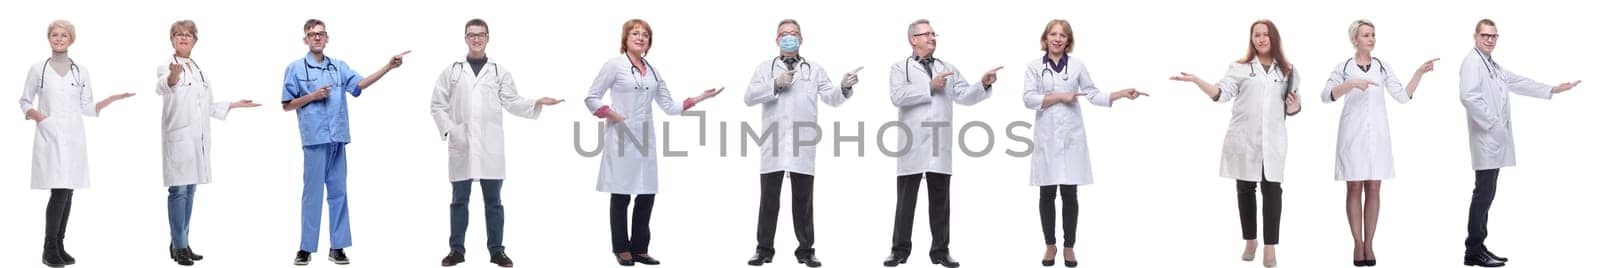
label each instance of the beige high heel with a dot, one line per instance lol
(1249, 251)
(1270, 258)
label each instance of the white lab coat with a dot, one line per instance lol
(467, 107)
(1364, 151)
(1257, 140)
(1062, 154)
(623, 168)
(1485, 91)
(186, 112)
(910, 91)
(60, 148)
(784, 112)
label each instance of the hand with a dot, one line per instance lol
(321, 93)
(783, 81)
(1130, 93)
(1067, 97)
(398, 59)
(1565, 87)
(36, 116)
(243, 104)
(708, 94)
(989, 77)
(1361, 84)
(937, 85)
(614, 117)
(548, 101)
(1426, 66)
(850, 79)
(175, 69)
(1185, 77)
(1292, 103)
(118, 97)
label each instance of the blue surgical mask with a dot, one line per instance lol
(789, 43)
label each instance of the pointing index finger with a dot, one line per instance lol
(858, 69)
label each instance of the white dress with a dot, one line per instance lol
(1363, 151)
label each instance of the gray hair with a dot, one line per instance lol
(72, 31)
(1355, 27)
(790, 21)
(912, 29)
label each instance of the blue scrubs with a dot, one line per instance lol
(324, 131)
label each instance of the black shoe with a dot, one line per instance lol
(179, 257)
(1372, 262)
(1070, 264)
(66, 258)
(302, 258)
(645, 260)
(810, 260)
(621, 261)
(52, 255)
(500, 258)
(1485, 252)
(946, 260)
(759, 259)
(452, 259)
(337, 256)
(1481, 260)
(1048, 262)
(192, 255)
(894, 260)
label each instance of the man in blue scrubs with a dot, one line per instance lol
(315, 87)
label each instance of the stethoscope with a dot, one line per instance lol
(458, 68)
(800, 60)
(196, 69)
(912, 59)
(1289, 78)
(1487, 64)
(1048, 71)
(337, 82)
(634, 71)
(77, 81)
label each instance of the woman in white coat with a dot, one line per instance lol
(1052, 89)
(186, 111)
(56, 96)
(1264, 89)
(628, 161)
(1363, 158)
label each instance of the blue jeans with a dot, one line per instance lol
(493, 212)
(324, 168)
(180, 206)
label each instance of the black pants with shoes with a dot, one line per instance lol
(639, 243)
(938, 212)
(1069, 213)
(767, 223)
(55, 223)
(1478, 213)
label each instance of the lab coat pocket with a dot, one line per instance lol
(178, 155)
(456, 140)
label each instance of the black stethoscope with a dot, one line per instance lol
(196, 69)
(1049, 71)
(458, 68)
(634, 71)
(801, 61)
(338, 82)
(912, 59)
(1346, 70)
(1488, 65)
(77, 81)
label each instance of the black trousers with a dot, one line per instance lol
(767, 223)
(1069, 213)
(938, 212)
(1271, 206)
(1478, 213)
(639, 243)
(55, 218)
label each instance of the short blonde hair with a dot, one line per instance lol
(628, 26)
(1064, 27)
(184, 25)
(72, 31)
(1355, 28)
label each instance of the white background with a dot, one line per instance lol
(1158, 202)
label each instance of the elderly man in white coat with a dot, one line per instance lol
(187, 108)
(56, 96)
(1485, 91)
(787, 87)
(467, 103)
(925, 89)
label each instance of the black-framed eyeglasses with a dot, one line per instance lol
(927, 34)
(478, 35)
(317, 35)
(1489, 36)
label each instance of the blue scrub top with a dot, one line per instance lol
(327, 120)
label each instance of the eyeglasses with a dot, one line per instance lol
(644, 34)
(188, 36)
(314, 35)
(478, 35)
(1489, 36)
(927, 34)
